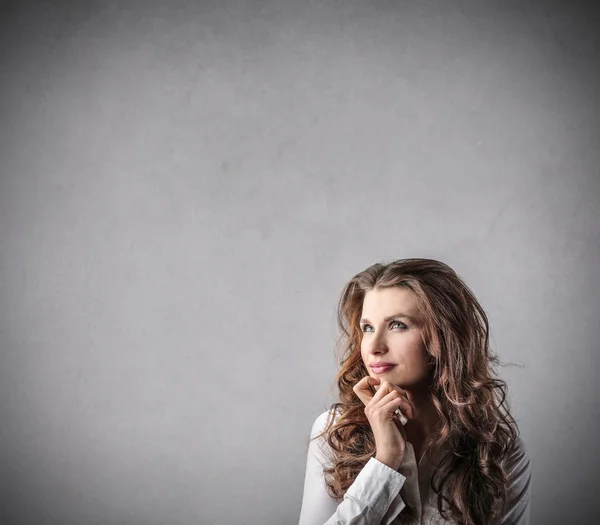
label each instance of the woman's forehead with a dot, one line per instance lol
(385, 302)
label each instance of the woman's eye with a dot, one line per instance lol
(393, 324)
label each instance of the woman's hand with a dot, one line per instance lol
(390, 436)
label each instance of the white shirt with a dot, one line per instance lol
(374, 496)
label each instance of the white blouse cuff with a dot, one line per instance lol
(377, 486)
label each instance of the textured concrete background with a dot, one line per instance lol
(186, 186)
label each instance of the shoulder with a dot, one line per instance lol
(318, 447)
(517, 464)
(518, 455)
(321, 422)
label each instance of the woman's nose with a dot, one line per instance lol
(378, 346)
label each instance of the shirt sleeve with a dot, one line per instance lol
(518, 467)
(368, 501)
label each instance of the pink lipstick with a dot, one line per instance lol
(382, 368)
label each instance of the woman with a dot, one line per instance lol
(422, 432)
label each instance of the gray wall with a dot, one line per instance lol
(184, 190)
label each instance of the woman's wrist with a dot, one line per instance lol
(393, 463)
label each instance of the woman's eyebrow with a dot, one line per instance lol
(400, 314)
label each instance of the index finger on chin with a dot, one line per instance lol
(363, 388)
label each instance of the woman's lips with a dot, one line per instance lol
(382, 369)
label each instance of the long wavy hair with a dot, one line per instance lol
(476, 429)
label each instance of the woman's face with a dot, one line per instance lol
(392, 333)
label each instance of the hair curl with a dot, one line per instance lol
(476, 429)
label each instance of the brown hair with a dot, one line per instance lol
(476, 427)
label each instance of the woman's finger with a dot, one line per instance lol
(394, 404)
(363, 389)
(397, 407)
(384, 389)
(408, 407)
(390, 396)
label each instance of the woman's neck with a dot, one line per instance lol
(425, 422)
